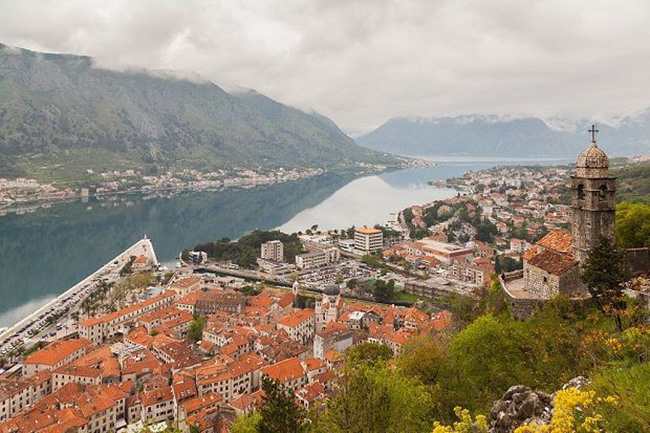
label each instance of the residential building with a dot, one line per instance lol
(272, 250)
(368, 240)
(55, 355)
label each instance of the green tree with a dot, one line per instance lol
(377, 399)
(384, 291)
(633, 225)
(371, 260)
(195, 331)
(422, 357)
(246, 424)
(485, 359)
(279, 412)
(368, 352)
(604, 273)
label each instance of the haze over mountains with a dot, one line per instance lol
(60, 108)
(479, 135)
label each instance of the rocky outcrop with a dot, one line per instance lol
(520, 406)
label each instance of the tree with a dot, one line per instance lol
(422, 357)
(371, 260)
(604, 273)
(279, 413)
(377, 399)
(246, 424)
(486, 358)
(633, 225)
(368, 352)
(195, 331)
(384, 291)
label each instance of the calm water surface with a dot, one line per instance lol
(45, 252)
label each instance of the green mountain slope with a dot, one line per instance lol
(633, 182)
(58, 110)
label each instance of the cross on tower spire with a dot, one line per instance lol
(593, 131)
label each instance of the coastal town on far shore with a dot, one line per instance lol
(138, 343)
(24, 194)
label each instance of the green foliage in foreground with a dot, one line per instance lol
(472, 367)
(279, 412)
(376, 399)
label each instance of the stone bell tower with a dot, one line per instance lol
(593, 199)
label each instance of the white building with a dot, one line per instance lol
(272, 250)
(318, 258)
(368, 240)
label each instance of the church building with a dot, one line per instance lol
(553, 265)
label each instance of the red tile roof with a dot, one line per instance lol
(56, 352)
(558, 241)
(552, 262)
(285, 370)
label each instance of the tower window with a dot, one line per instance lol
(581, 192)
(601, 193)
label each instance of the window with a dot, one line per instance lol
(581, 192)
(601, 193)
(545, 279)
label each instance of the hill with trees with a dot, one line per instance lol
(61, 110)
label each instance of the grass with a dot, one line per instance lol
(408, 297)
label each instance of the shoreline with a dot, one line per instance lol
(7, 335)
(29, 206)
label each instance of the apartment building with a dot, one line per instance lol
(100, 329)
(55, 355)
(299, 325)
(368, 240)
(289, 372)
(272, 250)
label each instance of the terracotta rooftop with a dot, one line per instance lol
(530, 253)
(284, 370)
(123, 312)
(296, 318)
(186, 282)
(552, 262)
(368, 231)
(56, 352)
(156, 396)
(558, 241)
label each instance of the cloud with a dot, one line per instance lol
(362, 62)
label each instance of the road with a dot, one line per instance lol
(36, 324)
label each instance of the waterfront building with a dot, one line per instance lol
(368, 240)
(314, 259)
(55, 355)
(100, 329)
(272, 250)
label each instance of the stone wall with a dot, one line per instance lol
(541, 283)
(570, 283)
(638, 261)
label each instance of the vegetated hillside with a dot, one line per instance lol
(495, 136)
(633, 182)
(59, 109)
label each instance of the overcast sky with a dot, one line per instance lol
(363, 62)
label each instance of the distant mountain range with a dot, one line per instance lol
(59, 111)
(479, 135)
